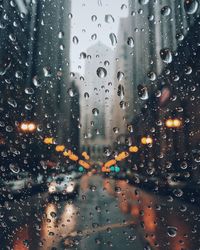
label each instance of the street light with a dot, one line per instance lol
(60, 148)
(27, 127)
(146, 140)
(177, 123)
(133, 149)
(173, 123)
(49, 140)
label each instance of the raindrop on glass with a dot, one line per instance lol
(12, 102)
(109, 19)
(75, 40)
(171, 231)
(130, 42)
(14, 168)
(143, 2)
(166, 55)
(86, 95)
(165, 11)
(101, 72)
(191, 6)
(120, 75)
(113, 39)
(95, 112)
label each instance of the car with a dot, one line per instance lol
(16, 184)
(63, 184)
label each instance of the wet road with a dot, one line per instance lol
(106, 214)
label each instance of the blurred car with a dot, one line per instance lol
(64, 184)
(16, 184)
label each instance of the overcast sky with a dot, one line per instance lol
(83, 27)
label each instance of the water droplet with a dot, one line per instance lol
(29, 91)
(152, 76)
(165, 11)
(122, 105)
(130, 42)
(191, 6)
(83, 55)
(101, 72)
(46, 71)
(113, 39)
(9, 129)
(143, 92)
(94, 37)
(4, 67)
(15, 169)
(28, 106)
(118, 190)
(86, 95)
(71, 92)
(60, 34)
(188, 70)
(120, 75)
(93, 188)
(178, 192)
(35, 81)
(53, 214)
(116, 130)
(75, 40)
(18, 75)
(171, 231)
(179, 37)
(70, 15)
(120, 91)
(95, 111)
(124, 6)
(62, 47)
(143, 2)
(109, 18)
(166, 55)
(106, 63)
(94, 18)
(12, 102)
(12, 37)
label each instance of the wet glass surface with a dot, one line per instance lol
(99, 124)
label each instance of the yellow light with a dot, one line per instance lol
(73, 157)
(85, 155)
(177, 123)
(48, 140)
(24, 126)
(105, 169)
(149, 140)
(60, 148)
(144, 140)
(133, 149)
(121, 156)
(110, 163)
(169, 123)
(31, 126)
(84, 164)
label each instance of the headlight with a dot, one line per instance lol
(52, 189)
(70, 187)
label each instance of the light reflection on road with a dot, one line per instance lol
(46, 224)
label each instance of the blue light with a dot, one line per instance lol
(81, 169)
(117, 169)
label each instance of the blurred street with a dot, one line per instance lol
(106, 214)
(99, 124)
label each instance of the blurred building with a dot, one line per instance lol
(175, 149)
(50, 75)
(16, 20)
(96, 98)
(147, 41)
